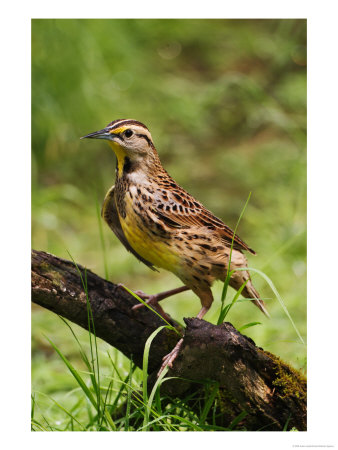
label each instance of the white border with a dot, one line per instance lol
(322, 222)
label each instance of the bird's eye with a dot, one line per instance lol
(128, 133)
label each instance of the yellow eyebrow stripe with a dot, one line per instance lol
(118, 130)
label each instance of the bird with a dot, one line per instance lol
(165, 227)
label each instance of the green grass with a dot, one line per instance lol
(117, 400)
(115, 397)
(225, 101)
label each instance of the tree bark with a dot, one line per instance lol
(249, 379)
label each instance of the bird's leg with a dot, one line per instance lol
(153, 300)
(203, 312)
(206, 300)
(169, 359)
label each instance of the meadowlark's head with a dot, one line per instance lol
(128, 138)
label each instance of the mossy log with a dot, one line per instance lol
(269, 393)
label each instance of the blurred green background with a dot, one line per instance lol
(225, 101)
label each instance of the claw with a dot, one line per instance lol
(142, 295)
(170, 358)
(153, 302)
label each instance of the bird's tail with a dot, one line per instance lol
(241, 276)
(250, 292)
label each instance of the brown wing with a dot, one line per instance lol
(110, 215)
(178, 209)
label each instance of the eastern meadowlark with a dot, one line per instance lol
(164, 226)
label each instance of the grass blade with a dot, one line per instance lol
(103, 244)
(237, 420)
(68, 413)
(153, 310)
(91, 330)
(279, 298)
(155, 387)
(229, 273)
(76, 375)
(145, 372)
(209, 402)
(227, 308)
(129, 390)
(248, 325)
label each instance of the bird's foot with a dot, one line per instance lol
(152, 300)
(143, 296)
(169, 359)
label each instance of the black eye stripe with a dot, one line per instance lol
(146, 138)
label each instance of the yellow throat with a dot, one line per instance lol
(120, 155)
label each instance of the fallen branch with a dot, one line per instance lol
(249, 378)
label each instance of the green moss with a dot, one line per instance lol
(44, 267)
(54, 275)
(288, 381)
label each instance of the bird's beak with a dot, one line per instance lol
(102, 134)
